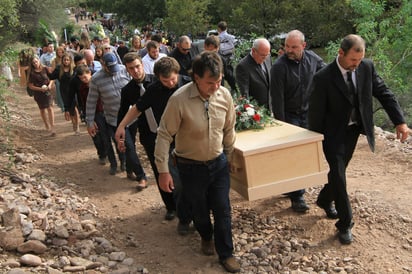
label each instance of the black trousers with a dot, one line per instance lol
(148, 141)
(338, 156)
(300, 120)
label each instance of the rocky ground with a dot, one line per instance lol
(62, 212)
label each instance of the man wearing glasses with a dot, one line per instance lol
(252, 73)
(183, 54)
(107, 47)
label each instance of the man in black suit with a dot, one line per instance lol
(252, 73)
(291, 76)
(340, 108)
(183, 55)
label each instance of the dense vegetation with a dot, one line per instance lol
(385, 25)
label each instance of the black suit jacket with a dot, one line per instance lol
(252, 82)
(330, 104)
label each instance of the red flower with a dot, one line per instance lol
(256, 117)
(245, 106)
(239, 113)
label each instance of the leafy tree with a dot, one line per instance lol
(9, 20)
(320, 20)
(387, 30)
(255, 17)
(186, 16)
(140, 11)
(137, 12)
(49, 12)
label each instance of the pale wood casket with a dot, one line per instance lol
(276, 160)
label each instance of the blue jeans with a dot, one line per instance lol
(110, 130)
(206, 187)
(59, 99)
(183, 208)
(132, 159)
(98, 139)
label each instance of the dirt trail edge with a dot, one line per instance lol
(269, 236)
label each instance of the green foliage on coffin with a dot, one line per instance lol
(249, 115)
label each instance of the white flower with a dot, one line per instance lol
(250, 111)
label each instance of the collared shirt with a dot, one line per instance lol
(96, 66)
(148, 62)
(345, 73)
(290, 83)
(157, 95)
(227, 43)
(107, 87)
(202, 131)
(352, 119)
(46, 58)
(131, 93)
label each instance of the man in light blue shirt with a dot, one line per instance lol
(47, 57)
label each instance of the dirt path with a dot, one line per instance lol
(379, 186)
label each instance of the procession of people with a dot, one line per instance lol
(179, 102)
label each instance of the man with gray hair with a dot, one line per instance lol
(93, 65)
(252, 73)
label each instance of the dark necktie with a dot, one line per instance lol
(351, 85)
(264, 72)
(151, 120)
(352, 89)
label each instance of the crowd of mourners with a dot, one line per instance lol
(179, 101)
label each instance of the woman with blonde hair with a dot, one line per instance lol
(98, 55)
(84, 40)
(54, 64)
(64, 73)
(136, 44)
(39, 82)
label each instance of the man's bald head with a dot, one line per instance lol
(88, 55)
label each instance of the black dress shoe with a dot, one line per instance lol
(170, 214)
(183, 228)
(113, 170)
(299, 205)
(345, 236)
(122, 167)
(330, 211)
(208, 247)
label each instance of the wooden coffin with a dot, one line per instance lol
(276, 160)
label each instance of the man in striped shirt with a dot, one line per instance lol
(106, 84)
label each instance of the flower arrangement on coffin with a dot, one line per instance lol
(249, 115)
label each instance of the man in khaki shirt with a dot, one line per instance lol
(201, 118)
